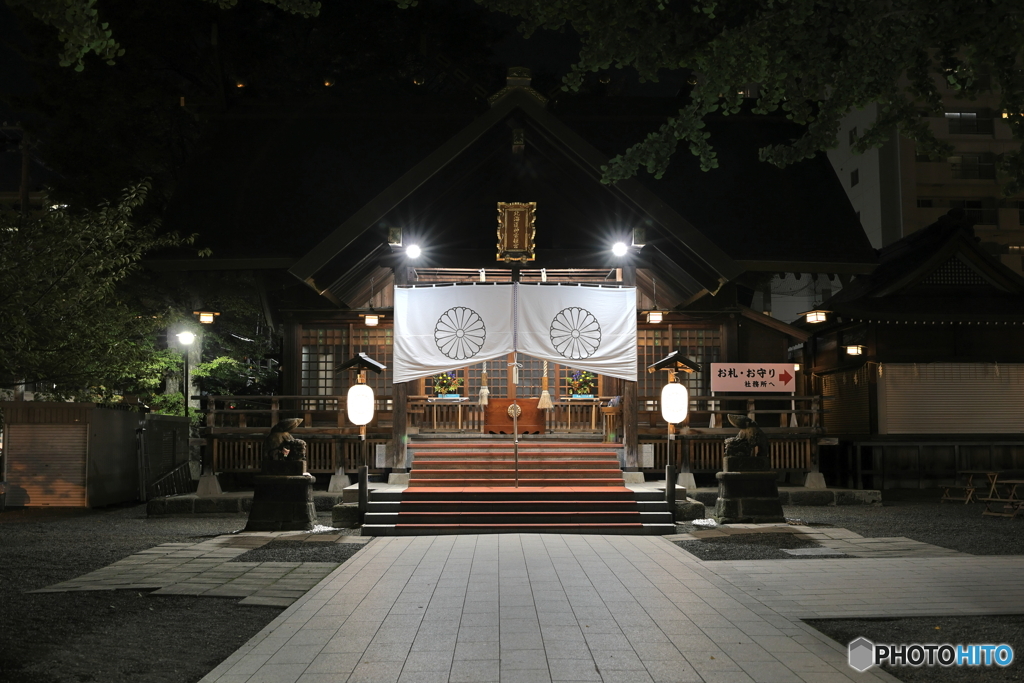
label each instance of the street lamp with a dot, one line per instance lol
(186, 339)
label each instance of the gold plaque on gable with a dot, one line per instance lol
(516, 231)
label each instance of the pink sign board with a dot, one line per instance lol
(750, 377)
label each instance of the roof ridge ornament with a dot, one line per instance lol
(518, 78)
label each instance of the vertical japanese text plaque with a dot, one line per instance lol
(516, 231)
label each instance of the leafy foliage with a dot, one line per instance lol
(63, 324)
(581, 382)
(810, 61)
(446, 383)
(82, 31)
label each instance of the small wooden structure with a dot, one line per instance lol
(924, 361)
(70, 454)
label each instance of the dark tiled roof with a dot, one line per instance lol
(279, 184)
(939, 272)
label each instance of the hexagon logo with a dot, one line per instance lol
(862, 654)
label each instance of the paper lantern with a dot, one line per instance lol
(675, 403)
(359, 404)
(815, 316)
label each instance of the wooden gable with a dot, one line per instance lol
(447, 203)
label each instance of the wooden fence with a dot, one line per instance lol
(705, 454)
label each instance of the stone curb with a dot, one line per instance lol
(811, 497)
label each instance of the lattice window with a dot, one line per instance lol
(378, 343)
(703, 345)
(530, 375)
(651, 345)
(954, 272)
(321, 349)
(497, 382)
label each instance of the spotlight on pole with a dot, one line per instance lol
(619, 249)
(413, 251)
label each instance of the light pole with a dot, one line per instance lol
(186, 339)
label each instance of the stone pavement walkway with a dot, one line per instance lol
(549, 608)
(537, 608)
(207, 569)
(835, 538)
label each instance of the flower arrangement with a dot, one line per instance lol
(446, 383)
(581, 382)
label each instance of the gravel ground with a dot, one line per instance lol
(115, 636)
(134, 637)
(747, 547)
(919, 517)
(300, 551)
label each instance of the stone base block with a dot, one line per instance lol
(346, 516)
(689, 509)
(738, 463)
(750, 497)
(814, 480)
(282, 503)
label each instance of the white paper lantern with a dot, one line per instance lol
(675, 403)
(359, 405)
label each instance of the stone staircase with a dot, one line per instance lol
(469, 488)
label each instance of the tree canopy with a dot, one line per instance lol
(63, 323)
(811, 60)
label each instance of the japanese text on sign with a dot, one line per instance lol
(747, 377)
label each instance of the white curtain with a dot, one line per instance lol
(588, 328)
(443, 328)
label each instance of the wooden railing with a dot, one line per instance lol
(322, 456)
(236, 425)
(320, 414)
(705, 454)
(792, 414)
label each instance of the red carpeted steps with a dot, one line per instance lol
(469, 487)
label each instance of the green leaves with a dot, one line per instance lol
(813, 60)
(61, 322)
(82, 33)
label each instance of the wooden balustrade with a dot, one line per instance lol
(706, 453)
(236, 425)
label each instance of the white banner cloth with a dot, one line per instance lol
(587, 328)
(444, 328)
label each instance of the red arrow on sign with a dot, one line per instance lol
(785, 377)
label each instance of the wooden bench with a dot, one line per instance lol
(1010, 503)
(966, 492)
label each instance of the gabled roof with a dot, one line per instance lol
(293, 181)
(939, 273)
(468, 156)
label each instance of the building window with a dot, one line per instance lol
(322, 348)
(853, 135)
(967, 122)
(978, 211)
(854, 177)
(925, 203)
(980, 166)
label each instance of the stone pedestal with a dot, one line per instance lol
(748, 492)
(282, 498)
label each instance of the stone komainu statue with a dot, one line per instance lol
(751, 441)
(280, 445)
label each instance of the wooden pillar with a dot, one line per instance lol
(396, 456)
(629, 397)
